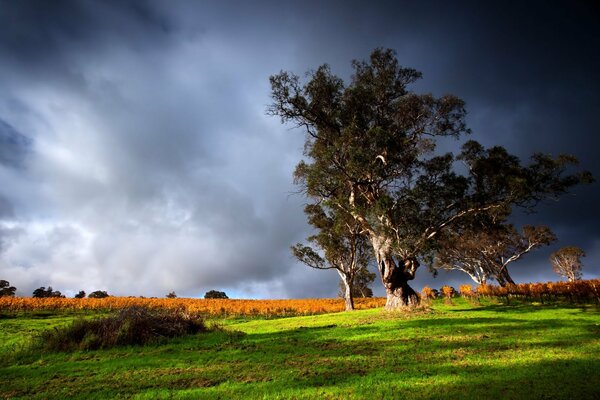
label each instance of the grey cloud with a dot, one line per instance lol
(13, 146)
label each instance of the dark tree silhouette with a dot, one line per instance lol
(98, 294)
(6, 290)
(215, 294)
(43, 292)
(80, 295)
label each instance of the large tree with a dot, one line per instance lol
(485, 252)
(338, 245)
(370, 151)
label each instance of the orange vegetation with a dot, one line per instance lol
(204, 306)
(577, 290)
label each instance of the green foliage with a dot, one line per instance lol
(6, 289)
(131, 326)
(43, 292)
(98, 294)
(215, 294)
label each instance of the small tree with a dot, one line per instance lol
(339, 245)
(215, 294)
(42, 292)
(80, 295)
(566, 262)
(6, 290)
(171, 295)
(485, 253)
(98, 294)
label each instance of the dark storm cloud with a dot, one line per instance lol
(13, 147)
(152, 167)
(35, 34)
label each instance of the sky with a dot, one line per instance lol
(136, 155)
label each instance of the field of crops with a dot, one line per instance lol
(212, 307)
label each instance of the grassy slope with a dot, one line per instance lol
(461, 351)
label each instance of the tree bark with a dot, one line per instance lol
(395, 276)
(504, 278)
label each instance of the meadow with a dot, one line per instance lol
(464, 350)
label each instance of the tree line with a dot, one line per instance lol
(6, 290)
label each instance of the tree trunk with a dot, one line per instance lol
(348, 298)
(395, 277)
(504, 278)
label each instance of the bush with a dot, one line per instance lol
(428, 293)
(131, 326)
(448, 292)
(98, 294)
(6, 289)
(42, 292)
(80, 295)
(215, 294)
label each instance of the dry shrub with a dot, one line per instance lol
(428, 294)
(130, 326)
(448, 292)
(578, 291)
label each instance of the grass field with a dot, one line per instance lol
(460, 351)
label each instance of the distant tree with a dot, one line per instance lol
(486, 252)
(370, 150)
(98, 294)
(171, 295)
(338, 245)
(215, 294)
(80, 295)
(43, 292)
(566, 262)
(6, 290)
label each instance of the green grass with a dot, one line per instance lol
(460, 351)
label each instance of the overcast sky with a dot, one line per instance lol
(136, 156)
